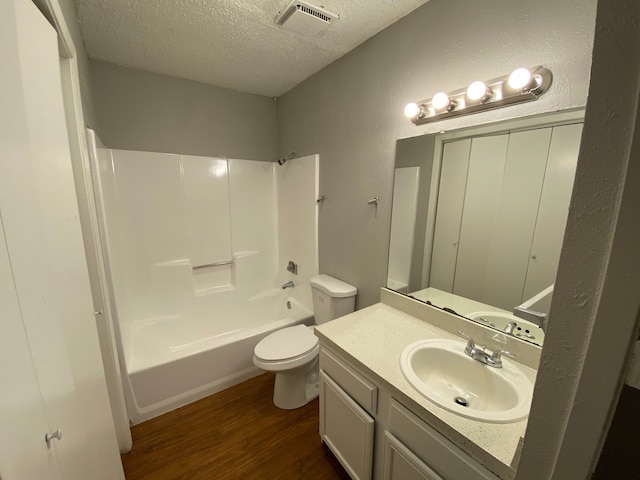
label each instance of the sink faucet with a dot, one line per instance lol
(289, 284)
(494, 360)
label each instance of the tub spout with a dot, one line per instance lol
(289, 284)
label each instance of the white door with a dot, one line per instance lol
(23, 421)
(486, 169)
(554, 208)
(514, 219)
(43, 239)
(451, 194)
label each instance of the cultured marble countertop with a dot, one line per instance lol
(375, 337)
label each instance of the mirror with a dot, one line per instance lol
(478, 219)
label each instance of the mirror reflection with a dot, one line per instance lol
(478, 219)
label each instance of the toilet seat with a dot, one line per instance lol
(286, 348)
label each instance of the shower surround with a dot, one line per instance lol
(196, 251)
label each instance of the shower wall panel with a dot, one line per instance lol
(298, 222)
(206, 192)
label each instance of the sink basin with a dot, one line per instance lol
(445, 375)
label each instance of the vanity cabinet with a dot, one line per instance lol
(441, 460)
(346, 429)
(347, 405)
(400, 463)
(374, 436)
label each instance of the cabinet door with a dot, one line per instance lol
(433, 448)
(346, 429)
(401, 464)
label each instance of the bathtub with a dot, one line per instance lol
(175, 360)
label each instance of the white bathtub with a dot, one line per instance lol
(172, 361)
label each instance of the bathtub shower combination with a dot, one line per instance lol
(196, 251)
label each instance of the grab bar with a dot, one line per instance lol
(216, 264)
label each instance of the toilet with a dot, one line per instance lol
(293, 351)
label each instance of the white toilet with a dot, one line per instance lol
(293, 351)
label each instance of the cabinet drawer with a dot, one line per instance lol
(346, 429)
(361, 390)
(432, 448)
(401, 464)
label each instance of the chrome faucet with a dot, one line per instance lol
(494, 360)
(289, 284)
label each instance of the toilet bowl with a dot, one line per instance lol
(292, 352)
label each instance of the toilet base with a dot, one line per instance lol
(296, 387)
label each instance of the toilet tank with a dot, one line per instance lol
(332, 298)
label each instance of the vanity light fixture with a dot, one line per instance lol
(413, 110)
(442, 101)
(521, 85)
(479, 92)
(520, 79)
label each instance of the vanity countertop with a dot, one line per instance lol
(375, 337)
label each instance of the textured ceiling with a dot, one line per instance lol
(229, 43)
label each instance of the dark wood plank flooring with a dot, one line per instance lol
(234, 434)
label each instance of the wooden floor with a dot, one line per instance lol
(234, 434)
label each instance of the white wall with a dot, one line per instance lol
(351, 113)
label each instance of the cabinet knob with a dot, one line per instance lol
(50, 436)
(534, 256)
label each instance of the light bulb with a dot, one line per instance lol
(520, 79)
(440, 101)
(412, 110)
(478, 91)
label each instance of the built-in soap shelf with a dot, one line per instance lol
(206, 279)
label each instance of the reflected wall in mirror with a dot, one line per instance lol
(478, 218)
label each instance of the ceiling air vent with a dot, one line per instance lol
(305, 19)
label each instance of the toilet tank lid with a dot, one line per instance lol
(332, 286)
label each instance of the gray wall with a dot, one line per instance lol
(351, 113)
(138, 110)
